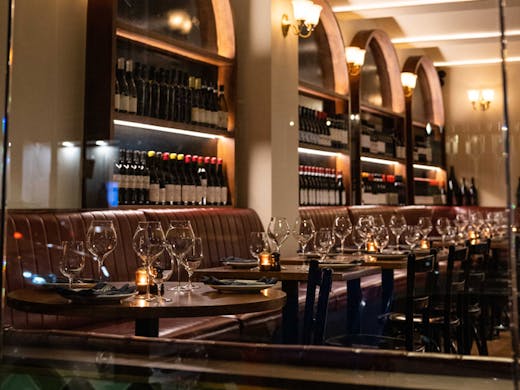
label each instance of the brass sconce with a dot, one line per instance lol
(355, 59)
(481, 99)
(306, 16)
(408, 79)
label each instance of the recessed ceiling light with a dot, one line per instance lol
(393, 4)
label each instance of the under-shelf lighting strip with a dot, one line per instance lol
(165, 129)
(318, 152)
(378, 161)
(426, 167)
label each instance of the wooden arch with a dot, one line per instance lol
(337, 59)
(385, 56)
(430, 84)
(225, 28)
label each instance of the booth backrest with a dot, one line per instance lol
(33, 244)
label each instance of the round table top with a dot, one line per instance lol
(203, 301)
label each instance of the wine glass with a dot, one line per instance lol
(442, 226)
(303, 231)
(461, 221)
(358, 240)
(342, 228)
(72, 259)
(192, 261)
(397, 226)
(258, 243)
(148, 244)
(365, 227)
(161, 270)
(179, 240)
(412, 235)
(425, 226)
(278, 230)
(379, 221)
(324, 241)
(101, 241)
(381, 238)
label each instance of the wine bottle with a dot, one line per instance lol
(196, 179)
(203, 178)
(188, 85)
(116, 176)
(453, 192)
(196, 107)
(172, 114)
(127, 177)
(164, 95)
(190, 182)
(155, 94)
(518, 194)
(167, 178)
(140, 78)
(217, 198)
(138, 178)
(340, 188)
(473, 193)
(117, 96)
(154, 179)
(465, 193)
(123, 86)
(177, 190)
(222, 109)
(301, 194)
(212, 185)
(181, 174)
(160, 175)
(132, 91)
(222, 183)
(145, 198)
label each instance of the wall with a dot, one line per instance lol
(475, 141)
(47, 103)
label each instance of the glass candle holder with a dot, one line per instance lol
(265, 261)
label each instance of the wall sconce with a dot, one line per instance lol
(355, 59)
(409, 80)
(481, 99)
(306, 16)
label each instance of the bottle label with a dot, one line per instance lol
(199, 194)
(124, 103)
(177, 194)
(223, 195)
(130, 181)
(154, 193)
(210, 198)
(192, 194)
(123, 182)
(170, 193)
(116, 178)
(117, 102)
(132, 105)
(162, 195)
(146, 182)
(218, 193)
(195, 114)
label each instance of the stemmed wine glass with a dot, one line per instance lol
(442, 225)
(192, 261)
(342, 228)
(365, 226)
(303, 231)
(397, 226)
(425, 226)
(72, 259)
(278, 230)
(461, 221)
(101, 241)
(148, 243)
(258, 243)
(412, 235)
(161, 270)
(179, 241)
(381, 238)
(358, 240)
(324, 241)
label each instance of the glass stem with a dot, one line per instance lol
(342, 244)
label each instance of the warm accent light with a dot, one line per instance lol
(165, 129)
(378, 161)
(426, 167)
(355, 59)
(318, 152)
(481, 99)
(483, 61)
(409, 80)
(306, 18)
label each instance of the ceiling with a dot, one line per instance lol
(432, 26)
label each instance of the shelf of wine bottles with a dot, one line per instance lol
(170, 94)
(463, 194)
(164, 178)
(379, 136)
(379, 188)
(321, 186)
(323, 129)
(429, 192)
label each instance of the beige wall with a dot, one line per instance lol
(47, 103)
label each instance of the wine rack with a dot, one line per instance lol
(188, 108)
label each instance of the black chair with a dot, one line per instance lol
(415, 316)
(446, 318)
(475, 302)
(315, 315)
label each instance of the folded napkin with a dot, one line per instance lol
(232, 259)
(101, 288)
(211, 280)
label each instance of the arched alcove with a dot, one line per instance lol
(427, 102)
(382, 62)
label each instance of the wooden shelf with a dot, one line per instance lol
(428, 165)
(381, 111)
(319, 92)
(169, 45)
(171, 125)
(321, 148)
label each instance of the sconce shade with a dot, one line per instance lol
(408, 79)
(300, 9)
(306, 17)
(481, 99)
(488, 95)
(355, 55)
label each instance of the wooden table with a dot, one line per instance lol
(291, 276)
(204, 301)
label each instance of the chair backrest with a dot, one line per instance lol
(479, 259)
(418, 269)
(314, 320)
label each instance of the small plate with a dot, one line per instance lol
(99, 299)
(248, 286)
(241, 264)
